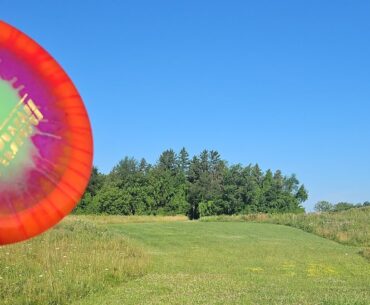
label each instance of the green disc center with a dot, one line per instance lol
(15, 141)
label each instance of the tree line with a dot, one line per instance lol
(326, 206)
(203, 185)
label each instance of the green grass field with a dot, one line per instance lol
(350, 227)
(187, 262)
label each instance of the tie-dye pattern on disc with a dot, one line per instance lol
(45, 139)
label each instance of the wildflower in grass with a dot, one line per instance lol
(257, 269)
(316, 270)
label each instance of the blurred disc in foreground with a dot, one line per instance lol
(46, 145)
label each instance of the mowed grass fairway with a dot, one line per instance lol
(239, 263)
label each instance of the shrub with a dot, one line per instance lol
(207, 208)
(323, 206)
(112, 200)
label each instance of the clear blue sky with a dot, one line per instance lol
(282, 83)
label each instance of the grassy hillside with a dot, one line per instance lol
(119, 260)
(351, 227)
(68, 263)
(240, 263)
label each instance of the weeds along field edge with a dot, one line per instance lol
(120, 219)
(75, 259)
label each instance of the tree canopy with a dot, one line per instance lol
(199, 186)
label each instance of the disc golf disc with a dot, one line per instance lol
(46, 143)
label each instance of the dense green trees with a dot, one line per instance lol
(200, 186)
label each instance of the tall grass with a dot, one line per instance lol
(351, 227)
(68, 263)
(119, 219)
